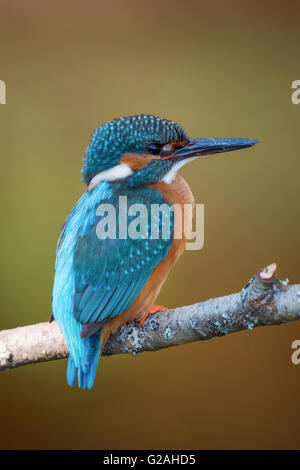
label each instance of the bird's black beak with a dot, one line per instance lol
(198, 147)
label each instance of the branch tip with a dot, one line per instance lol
(268, 274)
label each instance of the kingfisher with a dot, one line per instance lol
(101, 281)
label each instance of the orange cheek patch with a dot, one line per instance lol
(177, 145)
(137, 162)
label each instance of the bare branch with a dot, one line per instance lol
(264, 301)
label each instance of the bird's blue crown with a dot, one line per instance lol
(131, 134)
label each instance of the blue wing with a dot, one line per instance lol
(110, 273)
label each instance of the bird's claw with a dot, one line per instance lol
(153, 309)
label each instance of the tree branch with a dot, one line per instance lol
(264, 301)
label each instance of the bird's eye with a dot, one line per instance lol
(154, 149)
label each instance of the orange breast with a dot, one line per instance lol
(178, 193)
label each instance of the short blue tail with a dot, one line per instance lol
(84, 368)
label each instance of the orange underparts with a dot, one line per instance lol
(153, 309)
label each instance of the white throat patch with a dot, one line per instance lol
(115, 173)
(171, 175)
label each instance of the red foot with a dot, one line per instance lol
(153, 309)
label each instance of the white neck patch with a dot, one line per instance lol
(171, 175)
(115, 173)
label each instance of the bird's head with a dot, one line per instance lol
(146, 149)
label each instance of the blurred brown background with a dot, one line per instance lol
(221, 69)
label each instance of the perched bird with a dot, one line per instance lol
(101, 283)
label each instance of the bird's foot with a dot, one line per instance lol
(153, 309)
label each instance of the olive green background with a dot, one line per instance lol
(221, 69)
